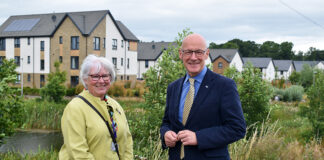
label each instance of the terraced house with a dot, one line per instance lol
(37, 41)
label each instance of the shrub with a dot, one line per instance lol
(70, 91)
(78, 89)
(255, 95)
(31, 91)
(54, 90)
(117, 89)
(168, 69)
(315, 111)
(10, 104)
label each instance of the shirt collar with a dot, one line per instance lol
(199, 77)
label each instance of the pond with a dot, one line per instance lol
(32, 141)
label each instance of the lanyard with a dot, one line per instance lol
(112, 133)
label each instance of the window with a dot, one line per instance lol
(96, 43)
(220, 65)
(28, 60)
(28, 40)
(128, 45)
(74, 62)
(146, 63)
(114, 44)
(127, 63)
(281, 72)
(17, 60)
(122, 43)
(104, 43)
(17, 42)
(61, 59)
(61, 40)
(121, 77)
(2, 44)
(74, 42)
(28, 77)
(74, 81)
(127, 77)
(42, 45)
(114, 61)
(18, 78)
(1, 59)
(42, 64)
(42, 81)
(122, 61)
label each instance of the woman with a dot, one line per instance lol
(87, 119)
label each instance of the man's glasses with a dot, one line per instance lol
(105, 77)
(198, 53)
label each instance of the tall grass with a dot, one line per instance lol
(41, 155)
(277, 138)
(266, 144)
(42, 114)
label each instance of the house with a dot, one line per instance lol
(224, 58)
(148, 55)
(283, 68)
(299, 65)
(265, 65)
(37, 41)
(320, 65)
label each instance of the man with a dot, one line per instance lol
(203, 110)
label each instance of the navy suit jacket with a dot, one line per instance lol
(216, 117)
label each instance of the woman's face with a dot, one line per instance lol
(98, 83)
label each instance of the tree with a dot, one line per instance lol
(10, 104)
(255, 94)
(285, 51)
(54, 90)
(315, 111)
(294, 78)
(168, 69)
(306, 76)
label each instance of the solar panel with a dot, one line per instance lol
(21, 25)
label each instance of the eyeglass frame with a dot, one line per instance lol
(198, 53)
(100, 76)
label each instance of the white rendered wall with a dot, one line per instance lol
(237, 62)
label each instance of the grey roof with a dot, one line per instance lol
(128, 35)
(151, 50)
(44, 27)
(299, 64)
(86, 22)
(282, 65)
(227, 54)
(259, 62)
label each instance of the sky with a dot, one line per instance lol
(298, 21)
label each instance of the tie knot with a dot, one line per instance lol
(191, 81)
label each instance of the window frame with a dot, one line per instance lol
(75, 43)
(17, 42)
(114, 61)
(220, 65)
(96, 43)
(146, 63)
(42, 45)
(114, 44)
(17, 60)
(42, 64)
(2, 44)
(75, 61)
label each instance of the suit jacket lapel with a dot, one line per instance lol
(205, 86)
(177, 97)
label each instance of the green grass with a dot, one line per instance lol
(282, 136)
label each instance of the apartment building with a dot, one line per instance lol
(37, 41)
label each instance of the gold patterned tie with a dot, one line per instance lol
(187, 107)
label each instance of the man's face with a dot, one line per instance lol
(193, 54)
